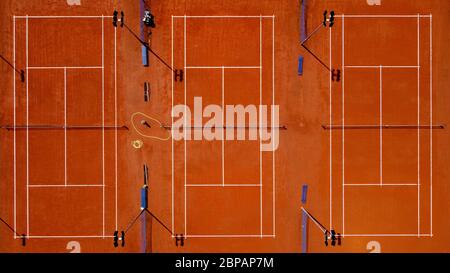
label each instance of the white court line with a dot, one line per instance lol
(343, 129)
(27, 132)
(103, 124)
(185, 132)
(418, 123)
(173, 171)
(223, 185)
(384, 66)
(388, 235)
(115, 132)
(223, 124)
(231, 236)
(61, 16)
(418, 234)
(388, 126)
(380, 16)
(273, 118)
(260, 131)
(28, 159)
(223, 67)
(379, 184)
(14, 121)
(65, 186)
(66, 236)
(381, 124)
(330, 137)
(224, 16)
(63, 67)
(431, 122)
(65, 126)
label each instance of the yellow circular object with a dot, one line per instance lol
(137, 144)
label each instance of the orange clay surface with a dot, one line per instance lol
(390, 186)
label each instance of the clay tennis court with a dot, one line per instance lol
(364, 127)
